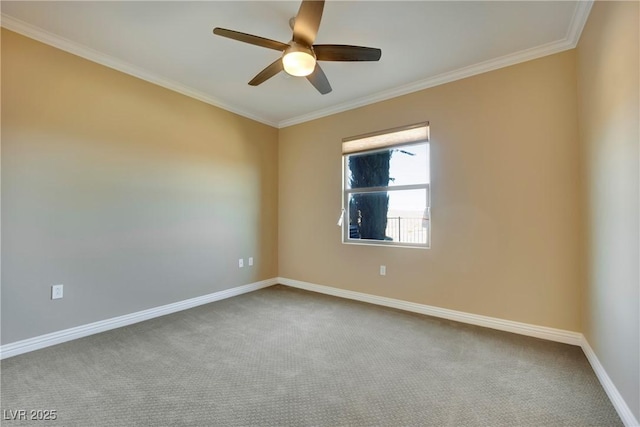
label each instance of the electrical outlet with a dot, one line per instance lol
(250, 261)
(383, 270)
(241, 263)
(56, 291)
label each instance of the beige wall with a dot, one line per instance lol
(505, 197)
(129, 194)
(134, 196)
(608, 90)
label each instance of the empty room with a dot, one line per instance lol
(310, 213)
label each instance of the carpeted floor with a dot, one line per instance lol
(286, 357)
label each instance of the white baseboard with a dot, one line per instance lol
(551, 334)
(42, 341)
(614, 395)
(543, 332)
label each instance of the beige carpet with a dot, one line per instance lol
(286, 357)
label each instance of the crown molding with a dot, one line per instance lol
(570, 41)
(36, 33)
(579, 19)
(440, 79)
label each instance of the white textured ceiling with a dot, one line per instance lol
(423, 43)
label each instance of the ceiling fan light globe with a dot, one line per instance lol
(298, 63)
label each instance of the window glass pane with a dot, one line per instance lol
(399, 216)
(407, 218)
(406, 165)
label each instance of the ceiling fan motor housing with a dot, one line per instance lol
(298, 59)
(299, 55)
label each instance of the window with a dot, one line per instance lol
(386, 188)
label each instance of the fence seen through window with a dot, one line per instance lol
(386, 188)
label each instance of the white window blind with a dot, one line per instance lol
(388, 138)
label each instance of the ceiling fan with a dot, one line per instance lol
(299, 56)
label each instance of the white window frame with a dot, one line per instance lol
(382, 141)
